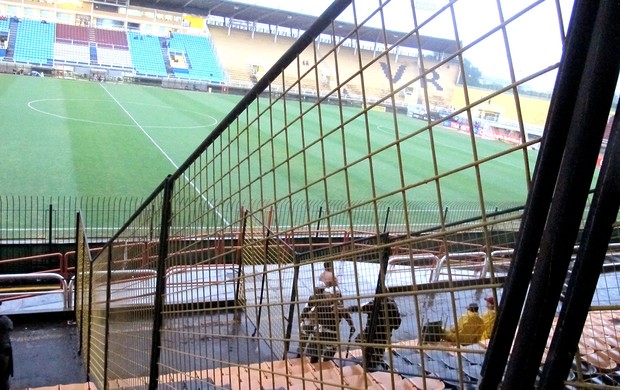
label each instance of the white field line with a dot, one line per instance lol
(191, 183)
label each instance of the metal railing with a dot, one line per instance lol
(30, 293)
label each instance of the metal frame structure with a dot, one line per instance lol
(246, 176)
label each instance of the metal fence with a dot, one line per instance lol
(208, 282)
(51, 220)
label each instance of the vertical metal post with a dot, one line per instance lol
(387, 218)
(160, 287)
(151, 223)
(90, 316)
(318, 222)
(537, 206)
(586, 270)
(79, 248)
(49, 228)
(239, 261)
(291, 309)
(587, 126)
(108, 296)
(373, 318)
(264, 277)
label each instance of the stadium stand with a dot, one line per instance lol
(235, 59)
(34, 43)
(146, 55)
(42, 43)
(112, 48)
(201, 57)
(71, 53)
(112, 38)
(241, 64)
(71, 34)
(114, 57)
(4, 25)
(4, 32)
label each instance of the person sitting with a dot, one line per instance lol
(468, 328)
(488, 318)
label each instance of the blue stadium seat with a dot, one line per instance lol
(4, 25)
(146, 55)
(201, 56)
(34, 43)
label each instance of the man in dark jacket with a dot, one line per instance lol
(6, 352)
(309, 317)
(329, 315)
(322, 319)
(388, 319)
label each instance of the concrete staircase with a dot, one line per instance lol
(10, 49)
(165, 54)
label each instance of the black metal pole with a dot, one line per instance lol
(240, 263)
(79, 249)
(108, 295)
(318, 221)
(49, 228)
(373, 318)
(385, 221)
(586, 270)
(262, 285)
(539, 198)
(594, 100)
(151, 223)
(291, 309)
(90, 317)
(160, 286)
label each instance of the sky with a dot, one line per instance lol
(534, 37)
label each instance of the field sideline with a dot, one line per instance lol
(79, 138)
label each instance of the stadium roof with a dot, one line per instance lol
(283, 18)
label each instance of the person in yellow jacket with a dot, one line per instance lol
(488, 319)
(469, 327)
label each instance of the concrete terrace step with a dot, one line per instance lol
(288, 374)
(75, 386)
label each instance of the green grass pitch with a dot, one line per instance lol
(78, 138)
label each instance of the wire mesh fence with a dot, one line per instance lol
(298, 213)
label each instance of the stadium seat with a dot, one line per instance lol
(146, 55)
(34, 43)
(201, 57)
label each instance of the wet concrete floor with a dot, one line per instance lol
(45, 351)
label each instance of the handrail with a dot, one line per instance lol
(57, 255)
(407, 259)
(39, 276)
(134, 274)
(67, 286)
(509, 252)
(463, 255)
(412, 260)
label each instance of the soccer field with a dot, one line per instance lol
(81, 138)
